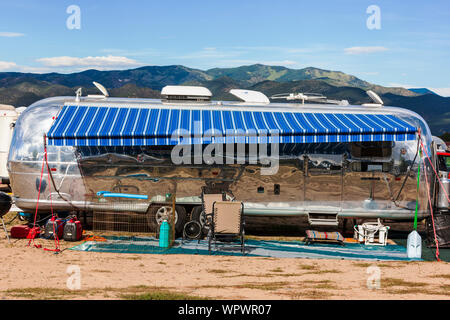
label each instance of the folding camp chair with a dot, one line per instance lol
(208, 200)
(226, 223)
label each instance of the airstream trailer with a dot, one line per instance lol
(333, 161)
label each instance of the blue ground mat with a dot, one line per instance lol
(253, 248)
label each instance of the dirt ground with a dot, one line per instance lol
(32, 273)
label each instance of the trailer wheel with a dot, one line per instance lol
(198, 215)
(161, 213)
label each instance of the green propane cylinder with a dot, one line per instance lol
(164, 234)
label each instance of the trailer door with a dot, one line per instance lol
(323, 183)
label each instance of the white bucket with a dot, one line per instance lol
(414, 245)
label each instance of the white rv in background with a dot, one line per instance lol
(8, 118)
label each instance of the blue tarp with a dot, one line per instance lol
(152, 126)
(254, 248)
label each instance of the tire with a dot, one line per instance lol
(182, 219)
(156, 214)
(197, 215)
(5, 203)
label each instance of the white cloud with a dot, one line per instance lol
(280, 63)
(11, 34)
(368, 73)
(12, 66)
(100, 62)
(403, 85)
(240, 62)
(5, 65)
(445, 92)
(364, 50)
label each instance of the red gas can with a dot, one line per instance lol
(23, 231)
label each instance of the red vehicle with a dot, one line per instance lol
(443, 161)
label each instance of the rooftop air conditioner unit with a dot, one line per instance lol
(185, 93)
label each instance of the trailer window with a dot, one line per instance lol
(371, 149)
(444, 162)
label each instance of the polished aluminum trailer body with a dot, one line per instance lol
(359, 180)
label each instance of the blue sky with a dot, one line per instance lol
(412, 48)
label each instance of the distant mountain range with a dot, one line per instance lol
(422, 91)
(24, 88)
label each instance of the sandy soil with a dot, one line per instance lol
(32, 273)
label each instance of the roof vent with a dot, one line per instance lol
(314, 97)
(375, 98)
(185, 93)
(100, 88)
(250, 96)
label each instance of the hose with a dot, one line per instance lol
(53, 181)
(407, 174)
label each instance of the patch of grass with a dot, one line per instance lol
(133, 258)
(161, 262)
(243, 275)
(104, 271)
(381, 265)
(57, 293)
(220, 271)
(362, 264)
(394, 282)
(316, 281)
(264, 275)
(283, 275)
(414, 291)
(321, 284)
(441, 276)
(324, 271)
(269, 286)
(23, 295)
(160, 295)
(44, 293)
(388, 265)
(445, 287)
(310, 294)
(209, 286)
(277, 270)
(325, 286)
(307, 267)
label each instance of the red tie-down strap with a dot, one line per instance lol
(430, 203)
(32, 235)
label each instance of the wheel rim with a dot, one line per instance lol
(202, 219)
(164, 213)
(193, 230)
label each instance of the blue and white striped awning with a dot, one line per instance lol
(131, 126)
